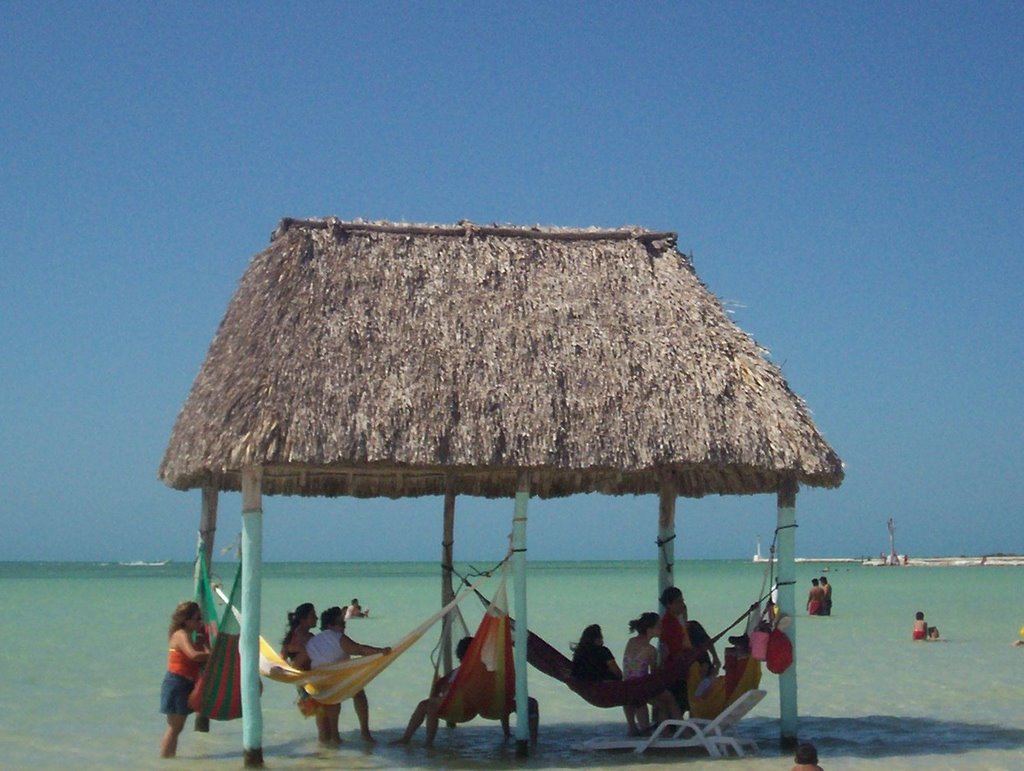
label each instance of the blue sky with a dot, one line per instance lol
(847, 176)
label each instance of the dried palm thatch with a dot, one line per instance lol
(378, 359)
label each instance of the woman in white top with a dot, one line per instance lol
(331, 645)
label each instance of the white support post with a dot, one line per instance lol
(519, 583)
(787, 605)
(249, 637)
(666, 534)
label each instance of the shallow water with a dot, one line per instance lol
(84, 651)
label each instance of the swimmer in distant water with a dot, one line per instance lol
(355, 610)
(933, 633)
(920, 626)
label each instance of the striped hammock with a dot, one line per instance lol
(333, 683)
(484, 683)
(218, 694)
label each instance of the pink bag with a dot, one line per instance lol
(759, 644)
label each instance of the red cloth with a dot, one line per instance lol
(673, 635)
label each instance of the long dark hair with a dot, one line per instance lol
(589, 638)
(295, 618)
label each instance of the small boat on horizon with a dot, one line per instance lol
(143, 564)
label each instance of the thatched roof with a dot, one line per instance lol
(375, 359)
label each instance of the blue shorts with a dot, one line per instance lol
(174, 693)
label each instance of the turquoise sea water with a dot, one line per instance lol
(84, 647)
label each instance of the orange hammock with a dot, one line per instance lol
(484, 682)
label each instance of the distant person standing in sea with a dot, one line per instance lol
(826, 598)
(814, 598)
(920, 631)
(183, 664)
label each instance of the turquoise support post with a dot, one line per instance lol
(787, 605)
(519, 584)
(249, 637)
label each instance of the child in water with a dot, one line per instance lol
(806, 758)
(920, 627)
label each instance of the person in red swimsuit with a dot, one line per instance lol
(920, 627)
(184, 657)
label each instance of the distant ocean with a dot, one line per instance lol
(84, 650)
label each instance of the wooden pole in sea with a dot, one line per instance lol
(786, 524)
(519, 583)
(666, 534)
(249, 637)
(207, 531)
(447, 593)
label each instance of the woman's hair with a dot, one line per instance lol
(589, 637)
(332, 615)
(806, 754)
(645, 622)
(670, 595)
(295, 618)
(919, 616)
(182, 613)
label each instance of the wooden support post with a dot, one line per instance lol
(787, 605)
(447, 593)
(207, 531)
(519, 582)
(249, 638)
(666, 534)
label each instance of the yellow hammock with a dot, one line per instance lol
(333, 683)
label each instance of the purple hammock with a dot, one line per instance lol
(610, 693)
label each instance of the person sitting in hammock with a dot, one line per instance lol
(639, 660)
(429, 709)
(331, 645)
(591, 660)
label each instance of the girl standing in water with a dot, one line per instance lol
(183, 664)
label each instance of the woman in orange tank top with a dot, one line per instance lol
(183, 663)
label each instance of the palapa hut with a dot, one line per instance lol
(378, 359)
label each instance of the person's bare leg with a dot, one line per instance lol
(169, 744)
(327, 725)
(432, 721)
(362, 707)
(415, 721)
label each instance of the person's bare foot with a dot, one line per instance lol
(368, 738)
